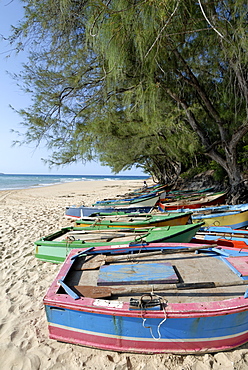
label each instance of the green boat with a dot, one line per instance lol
(136, 220)
(55, 247)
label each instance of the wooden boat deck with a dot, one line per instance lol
(178, 233)
(189, 268)
(106, 301)
(101, 235)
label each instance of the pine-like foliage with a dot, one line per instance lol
(152, 83)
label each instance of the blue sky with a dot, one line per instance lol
(25, 159)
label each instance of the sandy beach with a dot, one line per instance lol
(26, 215)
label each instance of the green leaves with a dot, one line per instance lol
(150, 83)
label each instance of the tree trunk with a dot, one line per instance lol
(238, 190)
(238, 194)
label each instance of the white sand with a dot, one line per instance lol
(27, 215)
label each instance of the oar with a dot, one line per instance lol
(104, 292)
(139, 217)
(107, 237)
(121, 229)
(100, 260)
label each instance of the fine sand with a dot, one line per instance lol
(27, 215)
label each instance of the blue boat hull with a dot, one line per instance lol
(152, 333)
(80, 212)
(120, 325)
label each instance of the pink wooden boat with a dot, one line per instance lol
(174, 301)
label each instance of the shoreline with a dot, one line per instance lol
(74, 187)
(27, 215)
(44, 180)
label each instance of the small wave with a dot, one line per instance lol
(48, 183)
(110, 178)
(25, 181)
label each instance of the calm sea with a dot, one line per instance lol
(13, 181)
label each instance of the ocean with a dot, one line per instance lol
(17, 181)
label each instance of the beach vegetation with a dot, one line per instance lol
(160, 84)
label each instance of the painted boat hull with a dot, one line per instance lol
(148, 201)
(223, 236)
(233, 219)
(172, 219)
(234, 216)
(234, 243)
(223, 232)
(182, 333)
(148, 190)
(79, 212)
(50, 250)
(205, 202)
(181, 328)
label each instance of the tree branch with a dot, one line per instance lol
(193, 81)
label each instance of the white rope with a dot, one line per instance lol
(163, 304)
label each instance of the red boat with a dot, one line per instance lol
(207, 200)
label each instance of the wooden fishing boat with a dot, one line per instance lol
(191, 191)
(148, 189)
(55, 247)
(238, 243)
(221, 234)
(200, 201)
(219, 209)
(185, 195)
(137, 220)
(236, 217)
(142, 192)
(145, 200)
(172, 302)
(83, 211)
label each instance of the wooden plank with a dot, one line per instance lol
(240, 264)
(145, 273)
(96, 261)
(109, 236)
(106, 291)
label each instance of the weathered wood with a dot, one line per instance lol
(138, 217)
(159, 272)
(225, 234)
(104, 236)
(120, 230)
(100, 260)
(101, 292)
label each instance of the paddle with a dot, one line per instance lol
(105, 234)
(101, 260)
(122, 230)
(132, 217)
(106, 237)
(104, 292)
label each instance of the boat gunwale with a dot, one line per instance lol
(153, 219)
(177, 205)
(173, 310)
(50, 238)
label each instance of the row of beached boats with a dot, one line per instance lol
(150, 278)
